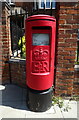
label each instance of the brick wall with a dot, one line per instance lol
(0, 44)
(18, 72)
(66, 48)
(76, 83)
(5, 34)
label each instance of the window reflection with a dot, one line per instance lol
(47, 3)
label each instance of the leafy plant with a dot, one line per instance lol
(75, 97)
(22, 47)
(77, 62)
(60, 102)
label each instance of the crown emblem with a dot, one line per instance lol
(40, 54)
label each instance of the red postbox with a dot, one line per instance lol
(40, 52)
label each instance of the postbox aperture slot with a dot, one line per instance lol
(41, 28)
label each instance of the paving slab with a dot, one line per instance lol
(13, 105)
(12, 93)
(72, 109)
(51, 113)
(21, 111)
(9, 112)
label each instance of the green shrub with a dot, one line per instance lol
(22, 47)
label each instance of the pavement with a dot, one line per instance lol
(13, 105)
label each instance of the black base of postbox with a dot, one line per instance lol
(39, 101)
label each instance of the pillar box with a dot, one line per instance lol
(40, 57)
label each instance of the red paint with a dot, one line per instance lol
(40, 58)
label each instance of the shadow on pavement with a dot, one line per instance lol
(13, 96)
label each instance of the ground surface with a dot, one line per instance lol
(13, 105)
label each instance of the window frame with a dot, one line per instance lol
(11, 2)
(45, 1)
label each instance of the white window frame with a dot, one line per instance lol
(39, 4)
(11, 2)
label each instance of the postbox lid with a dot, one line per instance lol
(41, 17)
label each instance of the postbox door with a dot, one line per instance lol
(40, 52)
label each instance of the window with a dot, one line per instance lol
(11, 2)
(47, 4)
(17, 33)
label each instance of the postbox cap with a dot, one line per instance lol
(41, 17)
